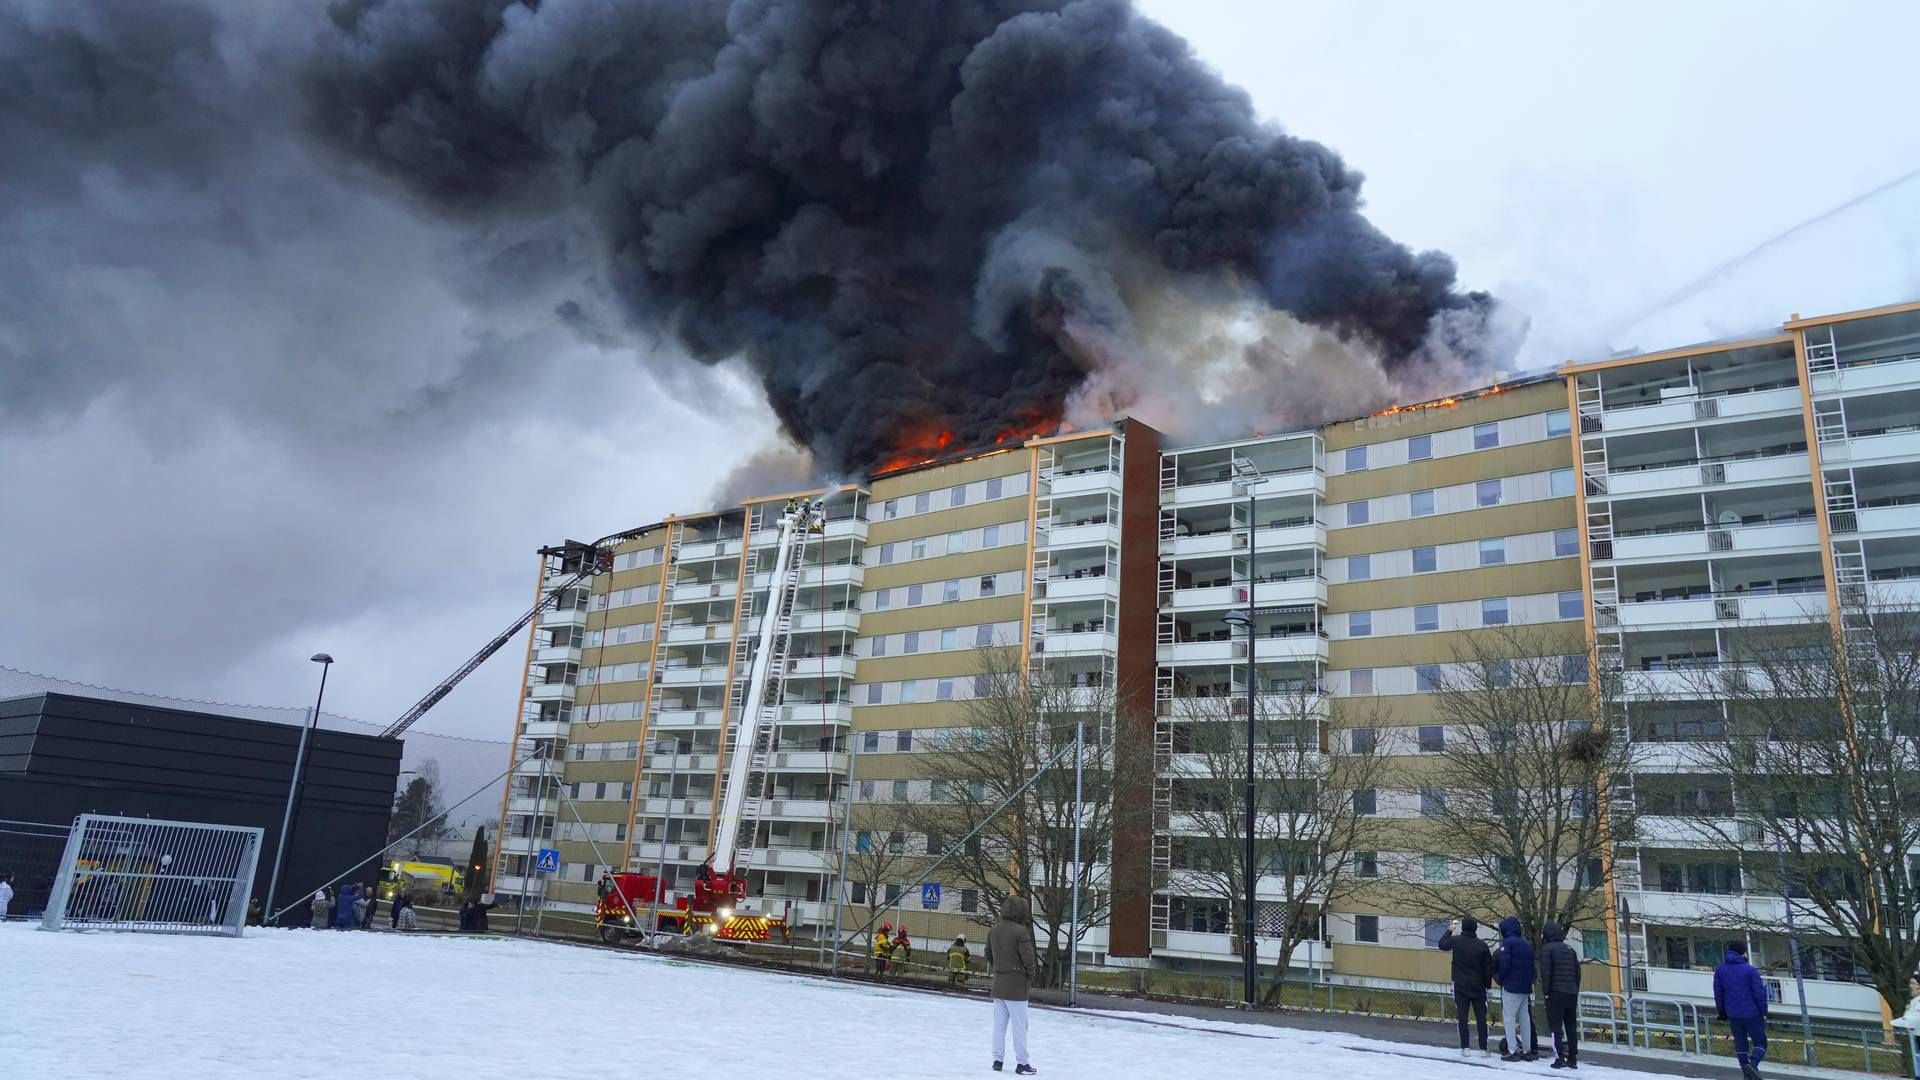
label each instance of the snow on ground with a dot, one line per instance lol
(298, 1004)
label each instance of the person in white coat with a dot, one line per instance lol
(6, 893)
(1909, 1021)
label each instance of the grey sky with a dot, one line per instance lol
(318, 429)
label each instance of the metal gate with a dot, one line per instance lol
(168, 877)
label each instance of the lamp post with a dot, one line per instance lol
(1246, 475)
(293, 785)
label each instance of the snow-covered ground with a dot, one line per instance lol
(296, 1004)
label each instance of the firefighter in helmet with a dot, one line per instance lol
(882, 948)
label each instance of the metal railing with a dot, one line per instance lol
(143, 875)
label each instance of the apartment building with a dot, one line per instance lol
(1645, 503)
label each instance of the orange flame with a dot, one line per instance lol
(925, 444)
(1443, 403)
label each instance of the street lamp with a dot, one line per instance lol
(293, 785)
(1245, 476)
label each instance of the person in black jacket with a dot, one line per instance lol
(1560, 980)
(1472, 975)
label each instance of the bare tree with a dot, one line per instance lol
(877, 854)
(1006, 780)
(1821, 760)
(1516, 793)
(1308, 825)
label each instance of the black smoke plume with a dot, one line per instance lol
(909, 218)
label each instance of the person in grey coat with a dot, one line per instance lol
(1011, 962)
(1560, 981)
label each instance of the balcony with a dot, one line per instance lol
(806, 860)
(1683, 409)
(1292, 482)
(564, 617)
(686, 763)
(553, 691)
(1881, 447)
(836, 713)
(690, 675)
(1083, 643)
(695, 592)
(807, 761)
(1825, 999)
(1065, 483)
(1902, 373)
(1712, 610)
(820, 667)
(544, 729)
(694, 633)
(1896, 592)
(1888, 520)
(648, 853)
(664, 807)
(707, 550)
(815, 576)
(1681, 476)
(1087, 586)
(556, 654)
(523, 845)
(1707, 909)
(1092, 534)
(847, 529)
(1202, 946)
(801, 809)
(527, 804)
(816, 622)
(1699, 542)
(688, 718)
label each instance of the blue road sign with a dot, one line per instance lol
(548, 862)
(930, 894)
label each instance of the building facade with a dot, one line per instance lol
(1630, 509)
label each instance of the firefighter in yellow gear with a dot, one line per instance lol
(882, 948)
(957, 957)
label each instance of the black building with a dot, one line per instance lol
(62, 755)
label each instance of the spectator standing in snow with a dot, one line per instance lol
(403, 916)
(1560, 982)
(957, 957)
(322, 909)
(485, 904)
(1472, 977)
(343, 908)
(1909, 1021)
(359, 909)
(1740, 995)
(1011, 962)
(373, 906)
(1513, 967)
(6, 893)
(256, 915)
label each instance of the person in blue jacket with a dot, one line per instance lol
(343, 910)
(1740, 995)
(1513, 970)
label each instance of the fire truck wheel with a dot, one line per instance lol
(609, 935)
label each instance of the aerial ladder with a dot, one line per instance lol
(718, 903)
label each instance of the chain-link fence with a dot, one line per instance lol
(138, 874)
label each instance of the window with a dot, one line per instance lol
(1486, 436)
(893, 893)
(1365, 740)
(950, 637)
(1566, 542)
(990, 536)
(1420, 448)
(893, 508)
(1356, 458)
(1426, 678)
(870, 742)
(882, 598)
(1493, 611)
(1366, 864)
(1433, 867)
(970, 898)
(886, 554)
(1486, 493)
(866, 790)
(1366, 802)
(1570, 604)
(1426, 618)
(994, 488)
(1426, 560)
(910, 642)
(1500, 673)
(920, 547)
(863, 841)
(1573, 669)
(1434, 930)
(982, 685)
(1359, 567)
(922, 502)
(983, 635)
(1366, 928)
(1420, 504)
(1360, 681)
(1433, 802)
(1357, 512)
(878, 647)
(909, 691)
(943, 691)
(915, 594)
(1360, 624)
(950, 591)
(1560, 483)
(899, 795)
(986, 585)
(1559, 423)
(873, 693)
(857, 892)
(956, 543)
(1493, 552)
(957, 496)
(1593, 946)
(903, 741)
(1433, 738)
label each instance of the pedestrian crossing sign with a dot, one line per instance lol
(930, 894)
(548, 862)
